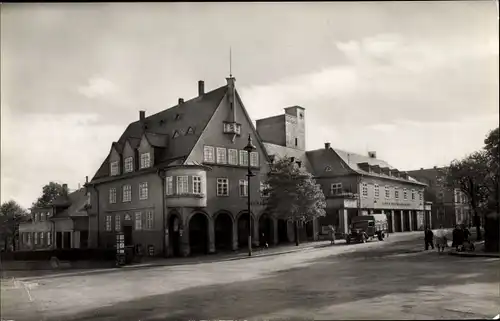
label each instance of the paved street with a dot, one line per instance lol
(393, 279)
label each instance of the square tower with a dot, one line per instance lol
(295, 127)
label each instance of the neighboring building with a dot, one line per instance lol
(360, 185)
(343, 176)
(63, 225)
(450, 207)
(283, 136)
(175, 182)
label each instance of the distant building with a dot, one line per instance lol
(353, 184)
(63, 225)
(450, 207)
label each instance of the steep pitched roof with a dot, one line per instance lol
(76, 200)
(282, 151)
(194, 113)
(351, 160)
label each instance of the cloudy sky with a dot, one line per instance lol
(416, 82)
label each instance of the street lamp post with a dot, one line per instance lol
(249, 148)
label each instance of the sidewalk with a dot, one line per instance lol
(478, 252)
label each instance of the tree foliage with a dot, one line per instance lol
(293, 194)
(49, 193)
(11, 214)
(477, 175)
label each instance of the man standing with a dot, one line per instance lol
(429, 238)
(332, 235)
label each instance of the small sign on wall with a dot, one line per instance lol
(127, 217)
(151, 250)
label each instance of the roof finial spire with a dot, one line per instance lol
(230, 63)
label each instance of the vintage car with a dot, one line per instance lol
(366, 227)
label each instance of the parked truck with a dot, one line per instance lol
(366, 227)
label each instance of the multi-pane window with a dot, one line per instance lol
(112, 195)
(29, 238)
(387, 192)
(114, 168)
(108, 223)
(232, 156)
(182, 185)
(149, 220)
(42, 236)
(420, 196)
(405, 194)
(127, 193)
(243, 158)
(196, 185)
(222, 187)
(413, 194)
(170, 185)
(145, 160)
(336, 189)
(243, 187)
(49, 238)
(42, 217)
(128, 164)
(35, 236)
(208, 154)
(377, 191)
(143, 191)
(364, 189)
(118, 222)
(254, 159)
(221, 155)
(138, 221)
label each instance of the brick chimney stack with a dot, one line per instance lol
(201, 88)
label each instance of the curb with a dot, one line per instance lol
(465, 254)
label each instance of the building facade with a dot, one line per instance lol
(450, 207)
(175, 182)
(62, 225)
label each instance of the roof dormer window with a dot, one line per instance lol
(190, 131)
(128, 165)
(145, 160)
(176, 134)
(177, 116)
(114, 168)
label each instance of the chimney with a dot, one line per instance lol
(372, 154)
(181, 101)
(327, 145)
(201, 87)
(65, 189)
(435, 167)
(79, 186)
(421, 168)
(142, 115)
(86, 179)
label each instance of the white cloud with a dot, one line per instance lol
(39, 148)
(97, 87)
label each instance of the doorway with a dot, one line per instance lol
(127, 235)
(174, 237)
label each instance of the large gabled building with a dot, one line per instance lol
(176, 183)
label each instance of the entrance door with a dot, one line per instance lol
(59, 239)
(127, 234)
(67, 240)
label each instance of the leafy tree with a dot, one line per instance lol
(293, 194)
(11, 214)
(468, 175)
(492, 178)
(49, 193)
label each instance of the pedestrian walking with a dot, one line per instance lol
(466, 234)
(458, 238)
(441, 241)
(264, 243)
(429, 238)
(332, 235)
